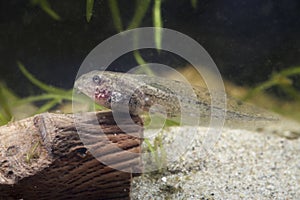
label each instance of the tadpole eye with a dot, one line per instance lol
(96, 79)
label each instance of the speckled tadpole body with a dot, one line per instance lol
(138, 93)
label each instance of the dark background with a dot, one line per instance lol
(248, 40)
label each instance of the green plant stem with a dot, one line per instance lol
(281, 79)
(160, 160)
(291, 71)
(144, 66)
(66, 96)
(38, 83)
(4, 105)
(260, 88)
(45, 6)
(89, 10)
(291, 91)
(114, 8)
(194, 3)
(149, 145)
(157, 22)
(3, 120)
(47, 106)
(140, 11)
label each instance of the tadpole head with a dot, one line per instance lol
(96, 85)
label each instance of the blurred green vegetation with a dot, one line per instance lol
(284, 82)
(89, 10)
(13, 107)
(45, 6)
(5, 110)
(52, 96)
(280, 79)
(158, 152)
(141, 8)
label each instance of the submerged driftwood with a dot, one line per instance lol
(42, 157)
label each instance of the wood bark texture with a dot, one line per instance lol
(43, 157)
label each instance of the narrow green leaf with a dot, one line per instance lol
(139, 59)
(149, 145)
(45, 6)
(170, 122)
(292, 92)
(3, 120)
(47, 106)
(140, 11)
(67, 96)
(38, 83)
(194, 3)
(259, 88)
(279, 79)
(89, 10)
(157, 22)
(290, 71)
(4, 105)
(114, 8)
(31, 99)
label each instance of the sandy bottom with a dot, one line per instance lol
(242, 165)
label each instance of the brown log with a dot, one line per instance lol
(43, 157)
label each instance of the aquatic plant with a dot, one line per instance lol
(280, 79)
(5, 109)
(51, 98)
(141, 8)
(45, 6)
(158, 152)
(284, 82)
(52, 95)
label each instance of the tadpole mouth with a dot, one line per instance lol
(102, 94)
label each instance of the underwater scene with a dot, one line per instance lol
(149, 99)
